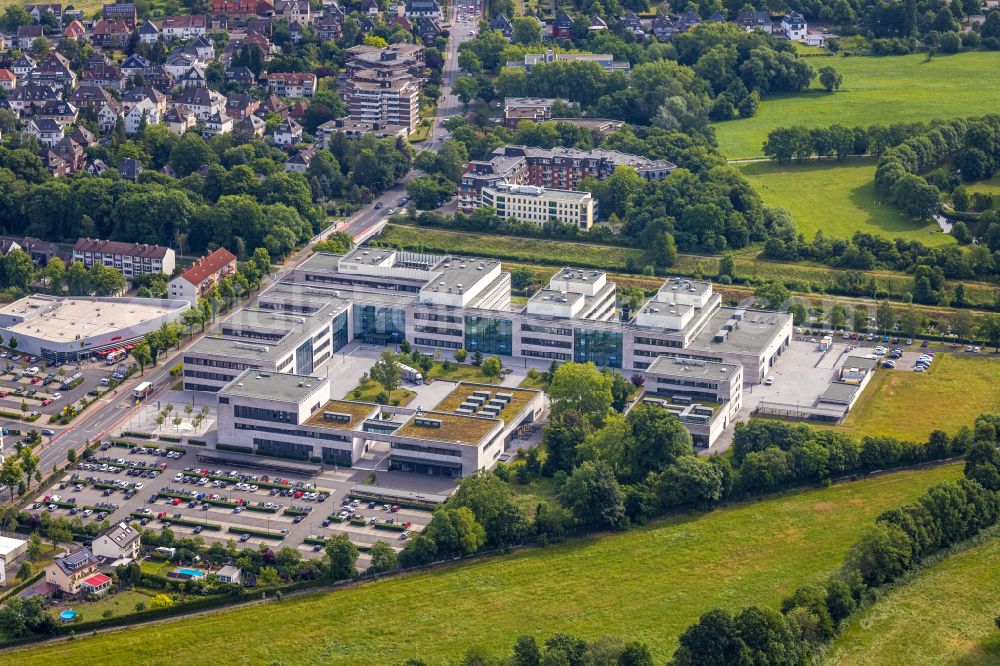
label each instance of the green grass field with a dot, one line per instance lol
(663, 576)
(910, 405)
(838, 198)
(883, 90)
(991, 186)
(942, 616)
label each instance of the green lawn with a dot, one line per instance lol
(906, 404)
(647, 584)
(121, 603)
(991, 186)
(369, 389)
(884, 90)
(838, 198)
(460, 373)
(942, 616)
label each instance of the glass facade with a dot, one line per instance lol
(603, 348)
(489, 336)
(338, 331)
(304, 358)
(378, 325)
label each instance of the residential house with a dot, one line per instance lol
(235, 7)
(40, 251)
(298, 110)
(562, 26)
(123, 11)
(110, 33)
(133, 96)
(428, 30)
(27, 34)
(108, 115)
(272, 104)
(503, 24)
(194, 77)
(633, 24)
(291, 84)
(202, 102)
(22, 66)
(751, 20)
(74, 31)
(605, 60)
(297, 31)
(217, 123)
(402, 22)
(149, 33)
(130, 258)
(252, 124)
(202, 47)
(58, 110)
(241, 76)
(105, 76)
(688, 20)
(179, 62)
(328, 28)
(183, 27)
(36, 11)
(260, 24)
(129, 169)
(144, 111)
(793, 24)
(47, 131)
(120, 543)
(158, 77)
(96, 167)
(8, 79)
(8, 245)
(55, 71)
(25, 99)
(240, 106)
(229, 574)
(294, 11)
(83, 137)
(202, 277)
(133, 65)
(76, 573)
(332, 8)
(257, 40)
(179, 119)
(299, 162)
(417, 8)
(66, 157)
(716, 17)
(89, 97)
(288, 133)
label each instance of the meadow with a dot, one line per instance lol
(838, 198)
(664, 576)
(910, 405)
(943, 615)
(875, 90)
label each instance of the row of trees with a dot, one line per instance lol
(558, 649)
(899, 541)
(785, 143)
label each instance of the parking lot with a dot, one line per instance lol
(47, 390)
(164, 488)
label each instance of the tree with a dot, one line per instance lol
(658, 439)
(455, 531)
(989, 330)
(493, 367)
(386, 371)
(962, 325)
(690, 481)
(343, 557)
(884, 316)
(527, 30)
(830, 78)
(11, 473)
(55, 275)
(25, 571)
(582, 388)
(880, 554)
(466, 88)
(142, 355)
(491, 501)
(268, 577)
(727, 265)
(526, 652)
(773, 293)
(910, 322)
(838, 316)
(383, 557)
(565, 432)
(663, 250)
(461, 355)
(29, 462)
(161, 601)
(593, 495)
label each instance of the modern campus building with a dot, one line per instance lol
(74, 328)
(130, 259)
(538, 205)
(292, 416)
(436, 302)
(704, 395)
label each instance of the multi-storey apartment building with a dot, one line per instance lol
(539, 205)
(291, 84)
(193, 283)
(130, 258)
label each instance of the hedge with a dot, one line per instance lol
(21, 416)
(392, 527)
(314, 541)
(262, 509)
(190, 523)
(334, 518)
(197, 442)
(263, 534)
(360, 522)
(233, 448)
(169, 438)
(399, 503)
(140, 435)
(294, 512)
(176, 449)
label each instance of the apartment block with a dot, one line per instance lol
(130, 258)
(539, 205)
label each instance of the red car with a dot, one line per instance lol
(394, 508)
(4, 394)
(46, 402)
(177, 500)
(161, 515)
(35, 380)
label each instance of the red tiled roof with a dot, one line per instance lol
(7, 75)
(96, 580)
(206, 266)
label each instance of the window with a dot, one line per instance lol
(603, 348)
(379, 325)
(263, 414)
(488, 336)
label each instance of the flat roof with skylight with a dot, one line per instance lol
(449, 427)
(67, 319)
(277, 386)
(342, 414)
(477, 398)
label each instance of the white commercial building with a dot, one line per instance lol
(539, 205)
(73, 328)
(10, 549)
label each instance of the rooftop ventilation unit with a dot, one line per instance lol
(337, 416)
(427, 423)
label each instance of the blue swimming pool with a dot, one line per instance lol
(194, 573)
(67, 615)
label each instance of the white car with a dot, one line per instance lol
(56, 395)
(31, 371)
(769, 381)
